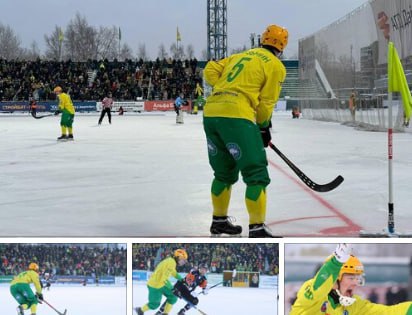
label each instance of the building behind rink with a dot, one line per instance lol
(350, 56)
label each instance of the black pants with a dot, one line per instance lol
(109, 115)
(181, 291)
(185, 293)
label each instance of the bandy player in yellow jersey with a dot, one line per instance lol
(21, 291)
(159, 284)
(331, 291)
(67, 109)
(246, 87)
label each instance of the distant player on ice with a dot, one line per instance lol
(246, 87)
(21, 291)
(184, 288)
(45, 280)
(179, 102)
(331, 291)
(159, 284)
(107, 104)
(66, 108)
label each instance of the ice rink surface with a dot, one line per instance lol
(221, 301)
(77, 300)
(144, 175)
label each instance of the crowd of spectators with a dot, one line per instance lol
(263, 258)
(92, 80)
(60, 259)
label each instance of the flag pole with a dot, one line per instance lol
(391, 220)
(120, 38)
(396, 83)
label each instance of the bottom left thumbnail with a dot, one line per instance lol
(62, 279)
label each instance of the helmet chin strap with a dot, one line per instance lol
(345, 300)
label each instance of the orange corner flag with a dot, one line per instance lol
(397, 80)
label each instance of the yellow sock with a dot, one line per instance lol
(168, 308)
(25, 306)
(256, 204)
(33, 309)
(220, 198)
(70, 130)
(145, 308)
(63, 130)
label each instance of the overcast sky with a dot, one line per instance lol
(152, 22)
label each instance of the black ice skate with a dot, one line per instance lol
(223, 225)
(70, 137)
(20, 310)
(260, 230)
(62, 137)
(139, 311)
(182, 312)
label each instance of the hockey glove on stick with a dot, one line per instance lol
(266, 136)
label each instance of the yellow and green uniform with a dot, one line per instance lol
(246, 87)
(67, 108)
(21, 291)
(159, 285)
(313, 297)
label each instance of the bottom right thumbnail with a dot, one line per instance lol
(348, 279)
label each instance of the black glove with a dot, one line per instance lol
(56, 112)
(39, 296)
(266, 136)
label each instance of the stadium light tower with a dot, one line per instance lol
(216, 29)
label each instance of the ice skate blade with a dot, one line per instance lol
(225, 235)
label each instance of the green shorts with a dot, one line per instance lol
(66, 119)
(23, 294)
(155, 296)
(235, 145)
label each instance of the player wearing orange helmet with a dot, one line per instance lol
(159, 284)
(331, 291)
(67, 109)
(246, 87)
(21, 291)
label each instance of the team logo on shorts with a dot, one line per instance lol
(234, 150)
(211, 147)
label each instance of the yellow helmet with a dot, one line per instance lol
(181, 253)
(352, 266)
(275, 36)
(58, 89)
(34, 266)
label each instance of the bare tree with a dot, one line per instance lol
(177, 52)
(190, 51)
(54, 44)
(126, 52)
(141, 52)
(162, 52)
(10, 47)
(80, 41)
(107, 40)
(32, 53)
